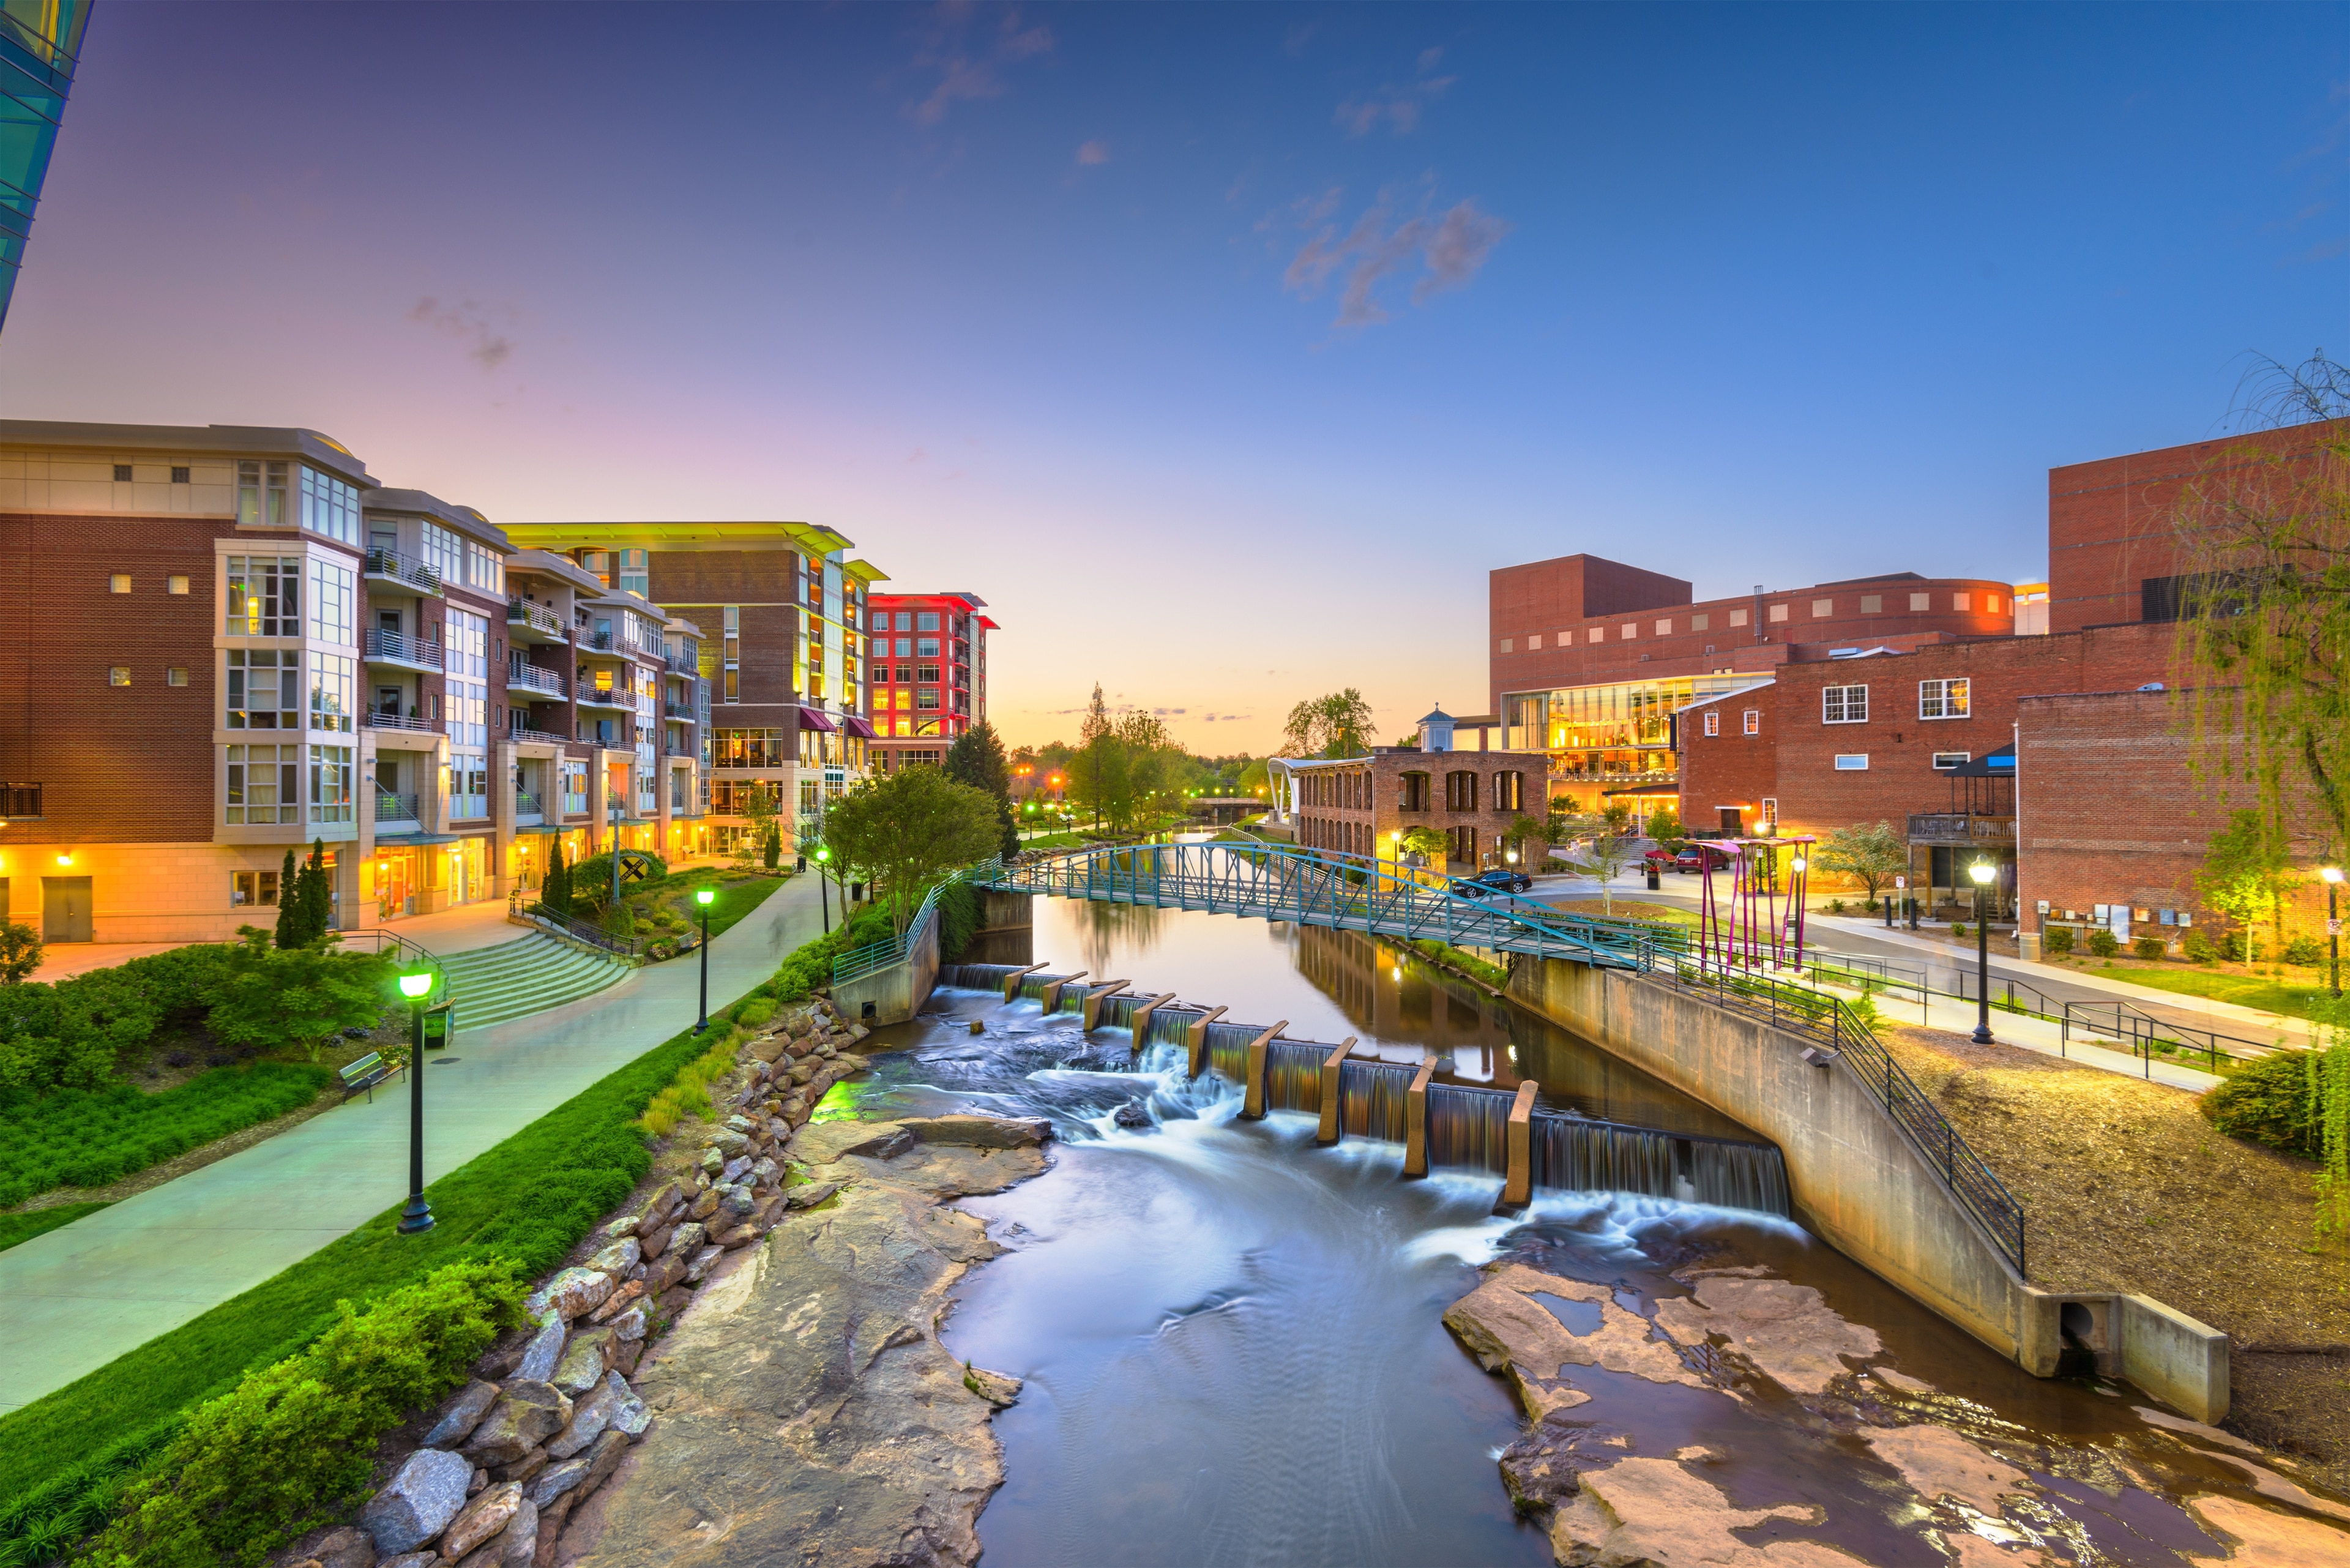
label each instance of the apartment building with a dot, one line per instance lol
(928, 674)
(783, 606)
(221, 642)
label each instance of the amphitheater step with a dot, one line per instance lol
(493, 985)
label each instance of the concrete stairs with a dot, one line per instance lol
(491, 985)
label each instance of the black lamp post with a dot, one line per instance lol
(2333, 875)
(824, 887)
(703, 895)
(416, 1216)
(1982, 871)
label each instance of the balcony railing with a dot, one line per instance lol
(384, 718)
(677, 711)
(395, 807)
(529, 677)
(683, 664)
(605, 697)
(529, 736)
(391, 648)
(407, 570)
(1960, 827)
(526, 803)
(596, 642)
(537, 618)
(616, 805)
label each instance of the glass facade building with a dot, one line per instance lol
(1611, 738)
(40, 43)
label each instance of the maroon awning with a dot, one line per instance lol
(852, 724)
(814, 719)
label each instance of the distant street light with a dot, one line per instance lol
(2332, 876)
(416, 985)
(1982, 871)
(703, 895)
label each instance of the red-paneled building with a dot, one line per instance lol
(929, 673)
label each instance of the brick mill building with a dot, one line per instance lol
(1363, 805)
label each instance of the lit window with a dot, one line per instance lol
(1823, 608)
(1770, 811)
(252, 887)
(1533, 643)
(1751, 722)
(1844, 705)
(119, 583)
(1852, 762)
(1942, 698)
(1991, 603)
(264, 596)
(261, 495)
(175, 584)
(264, 686)
(1713, 723)
(1944, 761)
(119, 675)
(1664, 628)
(177, 675)
(1962, 602)
(1630, 630)
(1598, 634)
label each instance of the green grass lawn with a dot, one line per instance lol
(1057, 841)
(15, 1228)
(735, 898)
(2290, 995)
(529, 1198)
(88, 1137)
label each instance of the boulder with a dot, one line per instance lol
(809, 1194)
(626, 1354)
(569, 1294)
(525, 1415)
(522, 1468)
(626, 1225)
(653, 1243)
(546, 1349)
(767, 1047)
(657, 1203)
(667, 1272)
(981, 1132)
(481, 1518)
(764, 1173)
(619, 1299)
(342, 1548)
(992, 1387)
(730, 1143)
(703, 1261)
(408, 1560)
(583, 1363)
(740, 1236)
(822, 1143)
(801, 1072)
(462, 1414)
(550, 1531)
(419, 1501)
(629, 1415)
(734, 1205)
(631, 1325)
(734, 1169)
(1132, 1115)
(738, 1124)
(705, 1205)
(713, 1161)
(515, 1546)
(687, 1240)
(619, 1258)
(589, 1417)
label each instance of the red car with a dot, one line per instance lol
(1692, 858)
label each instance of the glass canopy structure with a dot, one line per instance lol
(40, 42)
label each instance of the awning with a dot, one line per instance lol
(857, 726)
(814, 719)
(416, 840)
(538, 829)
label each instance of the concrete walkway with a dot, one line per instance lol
(80, 1296)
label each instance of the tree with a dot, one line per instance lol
(2264, 628)
(1431, 842)
(1665, 828)
(1875, 854)
(554, 889)
(289, 903)
(764, 835)
(977, 759)
(1607, 856)
(319, 900)
(2244, 874)
(1336, 725)
(906, 828)
(20, 951)
(1098, 777)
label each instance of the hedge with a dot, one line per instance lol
(88, 1137)
(2271, 1101)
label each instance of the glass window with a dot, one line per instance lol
(905, 620)
(1753, 722)
(880, 620)
(264, 786)
(264, 689)
(1844, 705)
(261, 493)
(1852, 762)
(264, 596)
(634, 573)
(927, 697)
(1942, 698)
(252, 887)
(1712, 723)
(332, 608)
(469, 784)
(731, 654)
(444, 552)
(1944, 761)
(927, 621)
(747, 748)
(331, 783)
(333, 690)
(926, 648)
(117, 675)
(329, 506)
(485, 569)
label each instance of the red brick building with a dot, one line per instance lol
(929, 673)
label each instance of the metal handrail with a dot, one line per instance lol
(570, 926)
(594, 696)
(531, 677)
(382, 719)
(389, 807)
(382, 644)
(406, 953)
(383, 563)
(527, 803)
(536, 737)
(536, 616)
(858, 962)
(676, 710)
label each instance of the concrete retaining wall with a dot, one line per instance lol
(1002, 911)
(894, 994)
(1858, 1182)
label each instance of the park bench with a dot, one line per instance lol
(364, 1074)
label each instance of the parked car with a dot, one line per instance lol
(1694, 857)
(1498, 880)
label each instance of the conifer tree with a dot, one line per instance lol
(289, 918)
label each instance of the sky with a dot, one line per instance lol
(1223, 350)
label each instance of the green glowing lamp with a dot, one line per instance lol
(416, 984)
(704, 895)
(823, 855)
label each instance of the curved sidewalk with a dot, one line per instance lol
(80, 1296)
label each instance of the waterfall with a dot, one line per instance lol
(976, 976)
(1739, 1175)
(1293, 1075)
(1371, 1099)
(1580, 1156)
(1172, 1025)
(1118, 1012)
(1471, 1127)
(1227, 1049)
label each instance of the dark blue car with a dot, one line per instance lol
(1485, 884)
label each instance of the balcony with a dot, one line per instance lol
(527, 623)
(402, 574)
(385, 719)
(1961, 827)
(390, 647)
(597, 642)
(534, 681)
(607, 697)
(677, 711)
(526, 807)
(396, 808)
(681, 663)
(524, 735)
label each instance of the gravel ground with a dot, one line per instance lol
(2127, 1187)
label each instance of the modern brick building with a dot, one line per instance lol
(784, 661)
(222, 642)
(1362, 806)
(929, 673)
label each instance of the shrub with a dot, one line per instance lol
(20, 951)
(589, 882)
(1958, 930)
(2269, 1101)
(753, 1011)
(88, 1137)
(2056, 941)
(2197, 948)
(267, 1000)
(959, 917)
(2305, 949)
(2148, 947)
(688, 1093)
(1836, 906)
(291, 1446)
(2103, 943)
(1872, 906)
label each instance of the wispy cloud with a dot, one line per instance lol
(1092, 152)
(1398, 107)
(469, 323)
(968, 54)
(1446, 252)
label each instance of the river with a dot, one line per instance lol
(1230, 1340)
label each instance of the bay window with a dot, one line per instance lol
(331, 783)
(264, 687)
(264, 596)
(263, 785)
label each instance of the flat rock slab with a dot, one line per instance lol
(981, 1132)
(823, 1143)
(1787, 1332)
(1509, 1331)
(805, 1411)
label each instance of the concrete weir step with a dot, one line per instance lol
(491, 985)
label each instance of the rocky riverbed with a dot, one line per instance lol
(805, 1411)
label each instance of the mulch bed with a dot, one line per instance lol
(2126, 1187)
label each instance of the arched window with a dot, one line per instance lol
(1508, 790)
(1460, 791)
